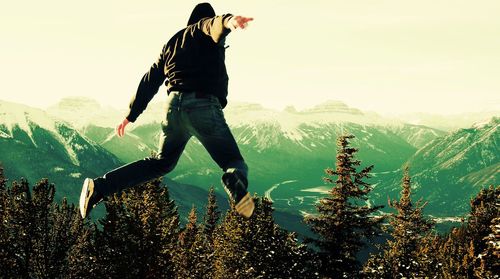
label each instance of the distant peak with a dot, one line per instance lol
(290, 109)
(78, 102)
(333, 106)
(17, 108)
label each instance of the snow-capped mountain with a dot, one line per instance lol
(81, 112)
(238, 114)
(287, 151)
(449, 170)
(466, 150)
(281, 146)
(294, 125)
(34, 145)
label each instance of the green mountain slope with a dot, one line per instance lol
(451, 169)
(35, 145)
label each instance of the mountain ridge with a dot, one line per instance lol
(287, 152)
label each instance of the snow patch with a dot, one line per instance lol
(141, 147)
(206, 171)
(319, 189)
(305, 213)
(5, 135)
(440, 220)
(78, 147)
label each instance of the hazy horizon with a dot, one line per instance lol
(388, 57)
(157, 101)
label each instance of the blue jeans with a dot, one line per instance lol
(187, 115)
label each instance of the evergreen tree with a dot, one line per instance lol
(344, 222)
(402, 255)
(43, 195)
(3, 198)
(230, 241)
(457, 254)
(258, 248)
(186, 258)
(18, 222)
(484, 208)
(36, 232)
(212, 215)
(202, 249)
(139, 235)
(4, 251)
(66, 226)
(169, 233)
(117, 241)
(427, 251)
(188, 235)
(83, 257)
(278, 251)
(489, 259)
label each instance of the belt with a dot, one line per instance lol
(200, 95)
(197, 94)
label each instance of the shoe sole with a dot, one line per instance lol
(246, 206)
(87, 192)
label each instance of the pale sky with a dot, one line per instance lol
(387, 56)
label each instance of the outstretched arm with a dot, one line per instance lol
(219, 26)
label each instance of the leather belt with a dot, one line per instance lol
(197, 94)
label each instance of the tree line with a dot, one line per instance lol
(141, 235)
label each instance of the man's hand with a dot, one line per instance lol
(120, 130)
(236, 22)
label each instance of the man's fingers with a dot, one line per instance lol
(119, 130)
(245, 19)
(242, 22)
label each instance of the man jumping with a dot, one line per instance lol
(192, 66)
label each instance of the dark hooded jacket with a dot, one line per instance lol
(192, 60)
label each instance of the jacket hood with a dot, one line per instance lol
(201, 10)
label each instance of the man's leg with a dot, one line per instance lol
(209, 126)
(172, 142)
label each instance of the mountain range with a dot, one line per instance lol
(286, 151)
(34, 144)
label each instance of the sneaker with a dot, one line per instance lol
(235, 185)
(88, 198)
